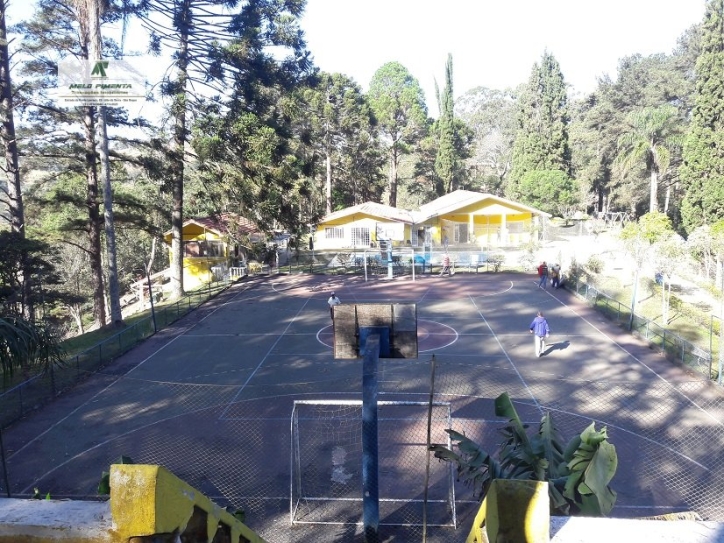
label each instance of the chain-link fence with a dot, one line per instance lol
(697, 357)
(38, 390)
(294, 468)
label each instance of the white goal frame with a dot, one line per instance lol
(399, 251)
(295, 476)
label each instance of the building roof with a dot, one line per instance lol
(461, 198)
(374, 209)
(225, 223)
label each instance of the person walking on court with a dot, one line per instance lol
(540, 330)
(445, 266)
(333, 300)
(555, 276)
(542, 274)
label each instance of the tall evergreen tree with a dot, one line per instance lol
(541, 141)
(702, 172)
(217, 49)
(90, 11)
(13, 195)
(59, 30)
(340, 126)
(399, 105)
(445, 161)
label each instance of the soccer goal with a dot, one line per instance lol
(392, 262)
(326, 463)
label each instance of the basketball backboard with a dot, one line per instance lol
(396, 323)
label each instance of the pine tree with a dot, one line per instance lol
(217, 50)
(11, 166)
(702, 172)
(399, 105)
(541, 141)
(48, 37)
(445, 161)
(339, 124)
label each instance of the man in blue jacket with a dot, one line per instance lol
(539, 329)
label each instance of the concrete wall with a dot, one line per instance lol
(147, 503)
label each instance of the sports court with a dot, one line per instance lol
(244, 400)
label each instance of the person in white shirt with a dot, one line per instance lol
(333, 300)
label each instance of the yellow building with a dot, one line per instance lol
(211, 246)
(364, 226)
(461, 218)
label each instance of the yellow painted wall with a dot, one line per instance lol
(197, 270)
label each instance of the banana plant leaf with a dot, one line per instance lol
(578, 474)
(474, 465)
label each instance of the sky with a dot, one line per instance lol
(493, 43)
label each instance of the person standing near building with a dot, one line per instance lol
(540, 330)
(542, 274)
(445, 266)
(332, 301)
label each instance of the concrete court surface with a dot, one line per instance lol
(210, 398)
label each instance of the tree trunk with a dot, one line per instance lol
(77, 313)
(654, 196)
(11, 167)
(113, 288)
(394, 158)
(328, 184)
(94, 231)
(667, 198)
(178, 152)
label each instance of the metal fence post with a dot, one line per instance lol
(6, 479)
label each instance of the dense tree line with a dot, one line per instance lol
(268, 136)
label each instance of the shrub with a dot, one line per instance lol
(594, 264)
(578, 474)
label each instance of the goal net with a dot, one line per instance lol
(326, 464)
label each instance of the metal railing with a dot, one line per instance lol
(40, 389)
(675, 346)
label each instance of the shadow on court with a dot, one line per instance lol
(212, 398)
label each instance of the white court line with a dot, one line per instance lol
(92, 399)
(638, 360)
(457, 336)
(261, 363)
(527, 388)
(497, 292)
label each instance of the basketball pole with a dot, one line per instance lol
(370, 460)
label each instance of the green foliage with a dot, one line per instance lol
(599, 121)
(38, 259)
(578, 474)
(490, 116)
(37, 495)
(651, 227)
(27, 347)
(651, 137)
(398, 103)
(702, 172)
(541, 141)
(339, 125)
(446, 161)
(547, 189)
(594, 264)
